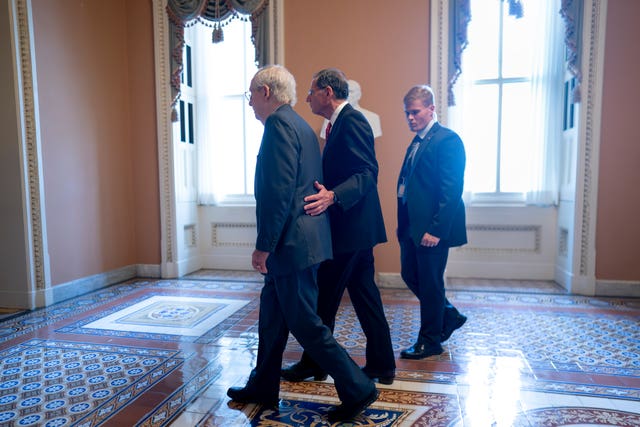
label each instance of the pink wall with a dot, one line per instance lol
(385, 48)
(143, 131)
(618, 224)
(89, 56)
(97, 110)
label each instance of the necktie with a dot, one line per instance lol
(411, 153)
(407, 165)
(326, 132)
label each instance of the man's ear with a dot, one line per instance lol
(330, 92)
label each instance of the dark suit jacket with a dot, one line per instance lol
(351, 172)
(288, 164)
(434, 188)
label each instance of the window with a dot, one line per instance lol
(228, 134)
(186, 102)
(508, 102)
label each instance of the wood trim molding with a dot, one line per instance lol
(591, 112)
(165, 145)
(33, 187)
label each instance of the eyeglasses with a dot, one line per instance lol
(314, 89)
(247, 95)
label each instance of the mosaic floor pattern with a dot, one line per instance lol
(163, 352)
(55, 383)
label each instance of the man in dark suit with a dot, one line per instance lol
(431, 219)
(350, 194)
(289, 247)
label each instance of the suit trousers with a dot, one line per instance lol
(288, 303)
(355, 271)
(422, 269)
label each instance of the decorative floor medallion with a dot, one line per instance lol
(171, 315)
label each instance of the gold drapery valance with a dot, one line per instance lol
(459, 18)
(571, 11)
(460, 15)
(215, 14)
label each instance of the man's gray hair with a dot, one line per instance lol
(280, 81)
(334, 78)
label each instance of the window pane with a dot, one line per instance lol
(230, 132)
(481, 56)
(517, 138)
(518, 44)
(254, 130)
(226, 59)
(504, 126)
(480, 138)
(228, 152)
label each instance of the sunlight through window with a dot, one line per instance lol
(509, 80)
(230, 135)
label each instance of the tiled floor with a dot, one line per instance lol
(163, 352)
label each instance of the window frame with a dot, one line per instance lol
(231, 199)
(440, 35)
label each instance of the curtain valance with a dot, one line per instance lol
(215, 14)
(459, 18)
(571, 11)
(460, 15)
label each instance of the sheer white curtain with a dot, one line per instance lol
(547, 84)
(208, 187)
(524, 167)
(228, 134)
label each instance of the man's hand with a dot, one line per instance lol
(319, 202)
(259, 261)
(429, 240)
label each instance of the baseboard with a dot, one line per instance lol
(390, 281)
(563, 277)
(500, 270)
(26, 300)
(603, 288)
(148, 270)
(84, 285)
(617, 288)
(64, 291)
(240, 262)
(188, 265)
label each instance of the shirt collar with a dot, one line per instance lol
(335, 114)
(426, 130)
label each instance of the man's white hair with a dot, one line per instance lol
(280, 81)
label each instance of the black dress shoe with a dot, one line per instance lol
(244, 395)
(345, 411)
(383, 377)
(300, 372)
(420, 351)
(456, 324)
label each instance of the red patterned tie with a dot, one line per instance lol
(328, 131)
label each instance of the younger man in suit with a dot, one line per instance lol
(431, 219)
